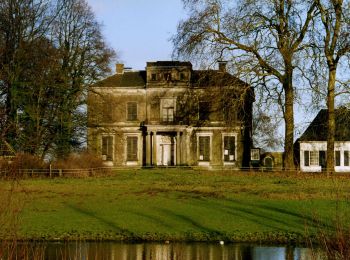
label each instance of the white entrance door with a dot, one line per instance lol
(166, 158)
(165, 151)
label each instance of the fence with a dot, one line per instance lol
(105, 171)
(50, 172)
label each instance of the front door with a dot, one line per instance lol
(166, 156)
(165, 150)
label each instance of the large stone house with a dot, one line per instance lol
(311, 147)
(170, 114)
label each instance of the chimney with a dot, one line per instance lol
(119, 67)
(222, 65)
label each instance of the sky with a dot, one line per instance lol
(139, 30)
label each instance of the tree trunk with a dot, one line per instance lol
(330, 119)
(288, 161)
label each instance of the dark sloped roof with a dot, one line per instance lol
(169, 63)
(317, 130)
(127, 79)
(208, 78)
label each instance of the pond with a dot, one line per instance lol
(162, 251)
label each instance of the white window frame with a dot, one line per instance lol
(223, 148)
(139, 151)
(101, 141)
(210, 135)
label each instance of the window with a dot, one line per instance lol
(168, 109)
(153, 76)
(337, 158)
(311, 158)
(346, 158)
(132, 111)
(306, 158)
(204, 148)
(203, 110)
(229, 148)
(314, 158)
(255, 154)
(131, 147)
(167, 76)
(182, 76)
(168, 114)
(107, 148)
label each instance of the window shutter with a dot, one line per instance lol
(306, 158)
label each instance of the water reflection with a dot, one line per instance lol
(173, 251)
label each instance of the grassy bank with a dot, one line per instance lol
(179, 205)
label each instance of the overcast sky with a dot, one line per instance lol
(139, 30)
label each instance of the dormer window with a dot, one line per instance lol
(182, 76)
(167, 76)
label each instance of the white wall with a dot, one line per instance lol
(322, 146)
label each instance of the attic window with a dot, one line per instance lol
(182, 76)
(167, 76)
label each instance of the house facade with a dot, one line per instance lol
(170, 114)
(311, 147)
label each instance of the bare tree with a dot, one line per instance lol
(332, 44)
(263, 38)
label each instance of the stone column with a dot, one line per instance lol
(154, 155)
(178, 148)
(148, 149)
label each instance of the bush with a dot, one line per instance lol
(11, 168)
(84, 160)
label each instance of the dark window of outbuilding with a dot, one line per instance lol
(337, 158)
(346, 158)
(306, 158)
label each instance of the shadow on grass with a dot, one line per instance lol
(103, 220)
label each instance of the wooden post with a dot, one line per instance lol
(50, 173)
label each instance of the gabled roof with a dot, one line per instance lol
(127, 79)
(317, 130)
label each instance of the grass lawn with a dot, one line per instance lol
(179, 205)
